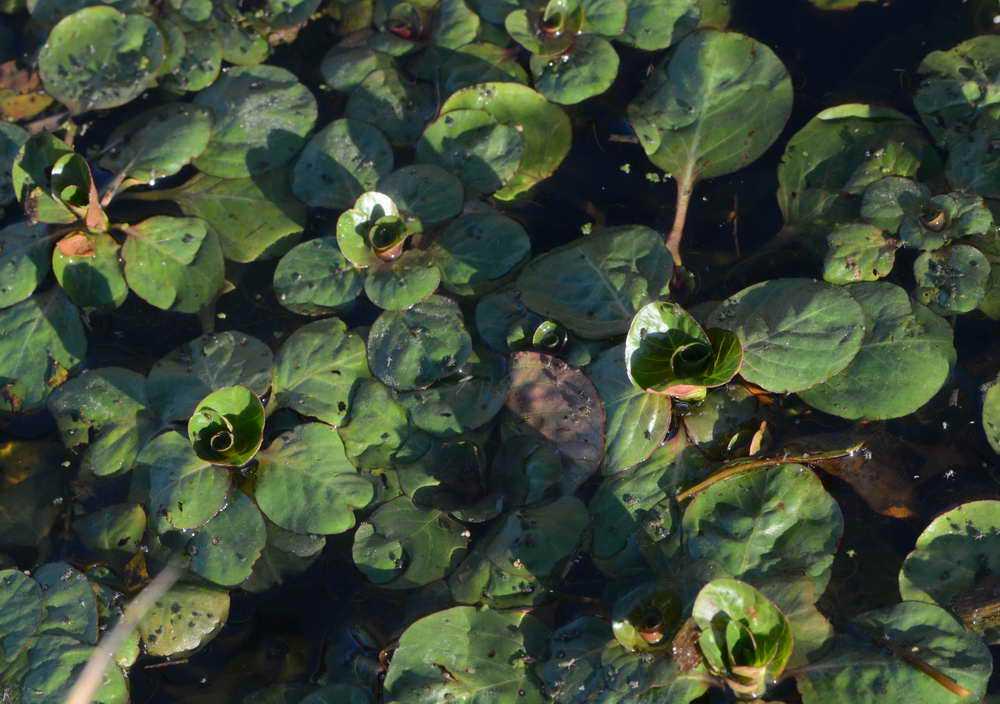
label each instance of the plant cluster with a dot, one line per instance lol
(455, 421)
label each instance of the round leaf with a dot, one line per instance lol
(587, 69)
(473, 146)
(413, 348)
(314, 278)
(305, 483)
(21, 613)
(714, 105)
(41, 341)
(637, 422)
(89, 270)
(183, 620)
(100, 58)
(795, 333)
(224, 550)
(905, 357)
(484, 653)
(656, 24)
(766, 523)
(858, 252)
(391, 103)
(544, 128)
(340, 162)
(956, 551)
(952, 279)
(594, 286)
(550, 399)
(401, 546)
(173, 263)
(476, 249)
(115, 530)
(255, 218)
(316, 368)
(402, 282)
(158, 142)
(262, 115)
(190, 372)
(200, 64)
(425, 191)
(184, 490)
(24, 261)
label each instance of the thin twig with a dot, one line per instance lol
(92, 677)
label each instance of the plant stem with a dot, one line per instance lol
(738, 467)
(684, 190)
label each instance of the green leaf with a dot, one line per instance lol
(479, 62)
(522, 556)
(41, 341)
(378, 433)
(173, 263)
(114, 531)
(392, 103)
(314, 278)
(183, 620)
(858, 252)
(657, 24)
(487, 655)
(991, 415)
(595, 285)
(551, 400)
(750, 664)
(286, 554)
(343, 69)
(224, 550)
(262, 115)
(106, 410)
(21, 612)
(403, 282)
(402, 546)
(958, 84)
(587, 664)
(12, 137)
(818, 174)
(69, 601)
(448, 409)
(85, 71)
(339, 163)
(158, 142)
(587, 69)
(973, 162)
(89, 270)
(667, 351)
(887, 201)
(952, 279)
(956, 554)
(413, 348)
(646, 618)
(184, 490)
(425, 191)
(187, 374)
(474, 147)
(255, 218)
(636, 422)
(31, 178)
(504, 322)
(870, 666)
(454, 24)
(544, 128)
(796, 333)
(765, 523)
(227, 426)
(317, 367)
(714, 105)
(242, 45)
(354, 227)
(478, 248)
(55, 662)
(905, 357)
(306, 484)
(201, 63)
(24, 260)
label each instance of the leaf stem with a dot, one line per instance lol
(738, 467)
(684, 190)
